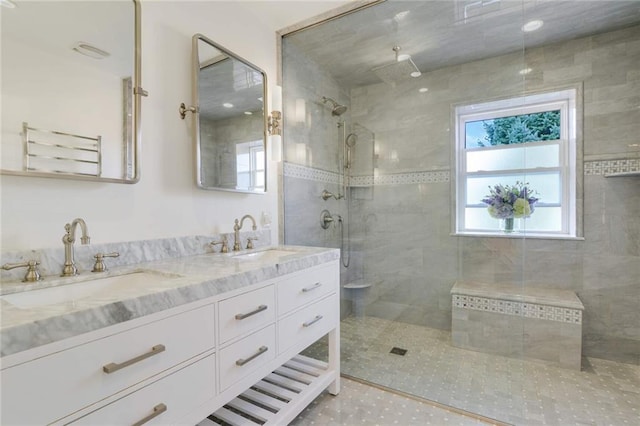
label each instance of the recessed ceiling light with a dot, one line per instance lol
(423, 90)
(227, 105)
(416, 74)
(90, 50)
(248, 113)
(525, 71)
(8, 4)
(534, 25)
(403, 57)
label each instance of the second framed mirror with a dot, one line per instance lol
(231, 122)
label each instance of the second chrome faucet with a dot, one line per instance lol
(236, 230)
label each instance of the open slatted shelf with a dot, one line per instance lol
(278, 398)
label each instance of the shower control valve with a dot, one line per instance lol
(326, 218)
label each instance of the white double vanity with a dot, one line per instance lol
(180, 341)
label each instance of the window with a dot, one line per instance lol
(529, 139)
(250, 165)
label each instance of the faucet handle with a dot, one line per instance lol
(224, 248)
(100, 266)
(32, 275)
(250, 241)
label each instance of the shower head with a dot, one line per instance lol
(338, 109)
(398, 70)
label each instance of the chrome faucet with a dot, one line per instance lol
(68, 239)
(236, 230)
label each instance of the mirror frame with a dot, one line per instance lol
(196, 101)
(134, 135)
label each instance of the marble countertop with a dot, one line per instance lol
(179, 281)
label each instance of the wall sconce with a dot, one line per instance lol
(274, 123)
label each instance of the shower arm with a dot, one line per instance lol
(326, 195)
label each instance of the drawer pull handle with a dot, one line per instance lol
(248, 314)
(313, 321)
(157, 410)
(113, 367)
(242, 362)
(313, 287)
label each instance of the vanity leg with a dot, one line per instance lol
(334, 358)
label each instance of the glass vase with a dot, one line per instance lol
(507, 225)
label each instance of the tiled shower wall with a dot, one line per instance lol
(403, 226)
(311, 148)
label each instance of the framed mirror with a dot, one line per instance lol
(231, 120)
(71, 90)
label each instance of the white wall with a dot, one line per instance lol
(166, 201)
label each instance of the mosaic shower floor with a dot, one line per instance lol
(509, 390)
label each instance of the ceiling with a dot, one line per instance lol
(441, 33)
(55, 27)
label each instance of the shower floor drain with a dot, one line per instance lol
(398, 351)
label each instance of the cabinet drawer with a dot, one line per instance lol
(173, 397)
(72, 379)
(306, 287)
(245, 313)
(247, 355)
(308, 324)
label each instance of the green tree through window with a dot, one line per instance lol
(541, 126)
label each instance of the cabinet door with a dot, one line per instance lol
(308, 324)
(247, 355)
(54, 386)
(162, 402)
(305, 287)
(246, 312)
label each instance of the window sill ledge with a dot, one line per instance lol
(521, 235)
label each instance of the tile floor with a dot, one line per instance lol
(360, 404)
(510, 390)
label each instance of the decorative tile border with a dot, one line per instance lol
(309, 173)
(521, 309)
(440, 176)
(612, 166)
(437, 176)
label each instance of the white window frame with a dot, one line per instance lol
(563, 100)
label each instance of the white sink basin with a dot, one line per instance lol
(264, 255)
(62, 293)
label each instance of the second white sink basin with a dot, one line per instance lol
(84, 289)
(264, 255)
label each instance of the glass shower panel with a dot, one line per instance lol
(392, 147)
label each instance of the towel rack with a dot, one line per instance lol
(59, 152)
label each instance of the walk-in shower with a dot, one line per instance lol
(420, 281)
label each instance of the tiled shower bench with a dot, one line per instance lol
(517, 321)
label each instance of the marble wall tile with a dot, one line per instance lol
(404, 227)
(311, 134)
